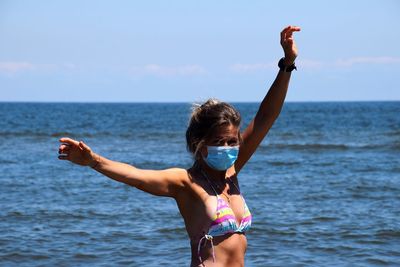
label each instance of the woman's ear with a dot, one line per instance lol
(240, 138)
(203, 151)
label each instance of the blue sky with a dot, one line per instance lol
(184, 51)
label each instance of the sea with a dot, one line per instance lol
(323, 186)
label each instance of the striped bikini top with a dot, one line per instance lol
(224, 220)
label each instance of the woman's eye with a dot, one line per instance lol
(223, 143)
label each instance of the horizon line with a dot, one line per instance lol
(189, 102)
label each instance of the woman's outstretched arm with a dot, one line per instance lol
(157, 182)
(272, 103)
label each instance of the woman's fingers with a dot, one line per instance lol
(291, 29)
(63, 157)
(64, 151)
(294, 29)
(283, 33)
(83, 146)
(74, 151)
(69, 141)
(288, 32)
(65, 146)
(288, 43)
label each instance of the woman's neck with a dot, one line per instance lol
(212, 174)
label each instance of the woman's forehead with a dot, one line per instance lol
(226, 131)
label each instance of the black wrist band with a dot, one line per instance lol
(284, 68)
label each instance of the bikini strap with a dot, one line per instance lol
(206, 237)
(244, 201)
(235, 186)
(209, 182)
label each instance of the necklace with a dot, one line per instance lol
(222, 191)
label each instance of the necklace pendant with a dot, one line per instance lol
(228, 198)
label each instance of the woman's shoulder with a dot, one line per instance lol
(188, 178)
(190, 181)
(178, 174)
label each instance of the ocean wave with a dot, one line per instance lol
(74, 233)
(326, 146)
(21, 256)
(376, 261)
(35, 134)
(284, 163)
(84, 256)
(390, 233)
(7, 161)
(152, 135)
(325, 219)
(175, 230)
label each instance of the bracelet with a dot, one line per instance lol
(284, 68)
(97, 163)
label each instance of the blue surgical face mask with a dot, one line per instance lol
(221, 157)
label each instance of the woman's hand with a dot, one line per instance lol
(76, 152)
(288, 44)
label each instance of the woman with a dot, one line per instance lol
(208, 194)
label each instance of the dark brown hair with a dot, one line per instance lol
(205, 119)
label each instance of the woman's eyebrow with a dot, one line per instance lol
(219, 138)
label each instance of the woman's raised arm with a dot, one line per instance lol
(157, 182)
(272, 103)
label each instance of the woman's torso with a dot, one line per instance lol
(198, 206)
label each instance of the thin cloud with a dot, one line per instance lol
(309, 64)
(245, 68)
(13, 67)
(249, 68)
(158, 70)
(16, 67)
(366, 60)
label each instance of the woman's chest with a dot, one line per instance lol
(204, 209)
